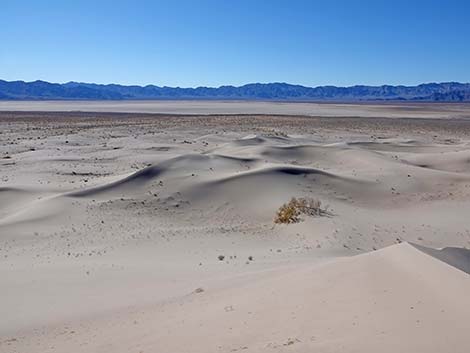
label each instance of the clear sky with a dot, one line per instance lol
(211, 43)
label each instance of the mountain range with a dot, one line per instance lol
(42, 90)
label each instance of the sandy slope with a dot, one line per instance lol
(395, 299)
(109, 225)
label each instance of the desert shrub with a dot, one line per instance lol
(275, 133)
(288, 213)
(291, 211)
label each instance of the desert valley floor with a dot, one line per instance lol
(144, 232)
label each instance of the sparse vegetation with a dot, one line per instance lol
(292, 211)
(275, 133)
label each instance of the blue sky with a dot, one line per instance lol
(211, 43)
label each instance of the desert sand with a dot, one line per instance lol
(204, 107)
(137, 232)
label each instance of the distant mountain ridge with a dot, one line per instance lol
(42, 90)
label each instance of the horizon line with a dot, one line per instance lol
(238, 86)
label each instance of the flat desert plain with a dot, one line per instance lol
(137, 231)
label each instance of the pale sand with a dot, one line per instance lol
(111, 226)
(201, 107)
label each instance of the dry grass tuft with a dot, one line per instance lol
(291, 211)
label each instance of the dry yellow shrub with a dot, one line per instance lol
(290, 212)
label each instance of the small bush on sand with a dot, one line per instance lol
(291, 211)
(287, 213)
(275, 133)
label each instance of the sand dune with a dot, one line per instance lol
(457, 257)
(150, 235)
(395, 299)
(452, 161)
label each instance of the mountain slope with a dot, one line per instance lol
(20, 90)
